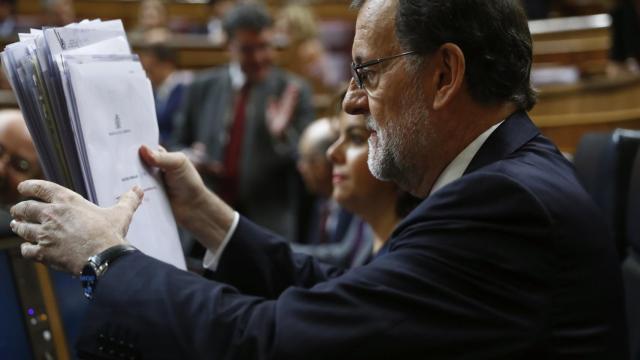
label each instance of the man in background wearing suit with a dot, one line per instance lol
(241, 122)
(19, 162)
(160, 64)
(331, 231)
(18, 157)
(506, 257)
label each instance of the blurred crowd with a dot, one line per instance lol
(249, 125)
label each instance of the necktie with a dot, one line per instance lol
(229, 185)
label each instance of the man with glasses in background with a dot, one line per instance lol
(506, 257)
(18, 158)
(19, 162)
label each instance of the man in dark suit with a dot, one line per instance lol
(506, 258)
(242, 122)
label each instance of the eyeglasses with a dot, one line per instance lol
(361, 77)
(17, 163)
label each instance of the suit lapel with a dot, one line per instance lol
(215, 113)
(516, 131)
(511, 135)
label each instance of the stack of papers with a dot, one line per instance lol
(89, 107)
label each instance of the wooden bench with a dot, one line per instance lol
(195, 12)
(566, 112)
(583, 41)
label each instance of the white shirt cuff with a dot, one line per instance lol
(212, 258)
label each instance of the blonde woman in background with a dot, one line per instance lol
(304, 53)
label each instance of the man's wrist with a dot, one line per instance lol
(211, 222)
(212, 256)
(98, 264)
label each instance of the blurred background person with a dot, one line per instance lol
(625, 32)
(9, 26)
(303, 51)
(59, 12)
(214, 27)
(169, 83)
(330, 231)
(379, 205)
(19, 162)
(240, 124)
(18, 157)
(152, 25)
(315, 169)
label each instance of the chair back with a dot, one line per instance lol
(631, 266)
(603, 164)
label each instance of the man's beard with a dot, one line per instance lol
(395, 152)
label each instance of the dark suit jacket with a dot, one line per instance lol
(511, 261)
(350, 245)
(269, 186)
(166, 109)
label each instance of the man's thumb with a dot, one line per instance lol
(163, 160)
(131, 199)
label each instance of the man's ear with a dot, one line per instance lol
(449, 69)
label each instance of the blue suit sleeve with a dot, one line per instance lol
(260, 263)
(463, 278)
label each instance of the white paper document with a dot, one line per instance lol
(89, 107)
(113, 132)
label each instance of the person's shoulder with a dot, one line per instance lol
(207, 76)
(204, 81)
(534, 205)
(489, 192)
(543, 172)
(534, 184)
(540, 169)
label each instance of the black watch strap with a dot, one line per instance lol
(98, 264)
(107, 256)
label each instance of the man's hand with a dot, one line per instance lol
(197, 154)
(184, 186)
(63, 229)
(280, 113)
(195, 208)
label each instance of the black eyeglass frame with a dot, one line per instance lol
(356, 67)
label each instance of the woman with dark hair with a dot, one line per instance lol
(380, 204)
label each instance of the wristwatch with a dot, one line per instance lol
(97, 265)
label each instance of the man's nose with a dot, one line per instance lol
(355, 100)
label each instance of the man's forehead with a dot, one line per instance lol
(375, 30)
(15, 138)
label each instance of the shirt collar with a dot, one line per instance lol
(456, 168)
(238, 78)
